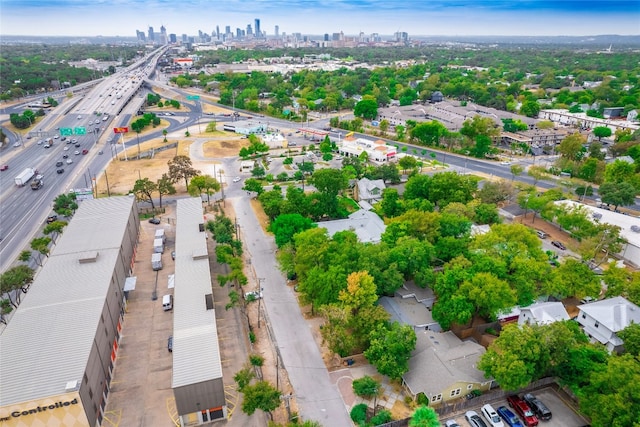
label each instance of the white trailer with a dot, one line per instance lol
(160, 235)
(156, 262)
(158, 246)
(24, 177)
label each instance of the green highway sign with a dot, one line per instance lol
(66, 131)
(193, 97)
(80, 131)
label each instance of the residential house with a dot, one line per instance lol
(369, 190)
(444, 368)
(411, 305)
(367, 225)
(602, 320)
(542, 313)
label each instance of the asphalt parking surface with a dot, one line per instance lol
(563, 413)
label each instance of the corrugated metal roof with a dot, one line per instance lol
(196, 354)
(47, 342)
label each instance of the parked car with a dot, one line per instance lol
(541, 234)
(538, 407)
(474, 419)
(237, 179)
(491, 416)
(509, 417)
(523, 410)
(451, 423)
(253, 295)
(558, 245)
(170, 344)
(154, 220)
(52, 218)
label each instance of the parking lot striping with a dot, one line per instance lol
(172, 410)
(231, 397)
(112, 418)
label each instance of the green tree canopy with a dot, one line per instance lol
(390, 349)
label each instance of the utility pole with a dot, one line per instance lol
(260, 288)
(222, 188)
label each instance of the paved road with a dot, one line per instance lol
(318, 399)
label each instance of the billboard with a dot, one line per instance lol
(121, 130)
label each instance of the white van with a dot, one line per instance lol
(156, 261)
(167, 302)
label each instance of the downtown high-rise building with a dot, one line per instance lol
(150, 34)
(277, 31)
(218, 32)
(257, 28)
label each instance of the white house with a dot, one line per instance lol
(367, 225)
(377, 151)
(602, 320)
(542, 313)
(369, 190)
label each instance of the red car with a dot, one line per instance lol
(4, 167)
(85, 151)
(523, 410)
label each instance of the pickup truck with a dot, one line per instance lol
(37, 182)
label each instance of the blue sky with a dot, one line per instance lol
(417, 17)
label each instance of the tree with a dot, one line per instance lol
(571, 147)
(367, 109)
(479, 125)
(165, 186)
(286, 226)
(610, 398)
(619, 171)
(516, 358)
(144, 189)
(329, 182)
(390, 349)
(530, 108)
(54, 228)
(407, 162)
(424, 416)
(203, 183)
(573, 278)
(243, 377)
(65, 204)
(16, 281)
(164, 134)
(366, 387)
(360, 292)
(261, 395)
(617, 193)
(41, 245)
(602, 132)
(516, 170)
(631, 338)
(252, 184)
(180, 167)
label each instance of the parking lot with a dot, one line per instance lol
(563, 414)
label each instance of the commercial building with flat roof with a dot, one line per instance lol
(59, 348)
(197, 369)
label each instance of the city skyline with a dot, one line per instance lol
(438, 17)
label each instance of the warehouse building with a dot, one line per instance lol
(58, 350)
(197, 369)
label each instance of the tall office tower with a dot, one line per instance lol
(402, 37)
(257, 28)
(200, 34)
(140, 36)
(150, 35)
(238, 33)
(218, 32)
(249, 30)
(173, 39)
(335, 36)
(277, 31)
(227, 30)
(184, 38)
(326, 37)
(163, 35)
(375, 37)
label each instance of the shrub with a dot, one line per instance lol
(252, 337)
(359, 413)
(381, 417)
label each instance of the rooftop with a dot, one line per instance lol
(367, 225)
(49, 338)
(196, 355)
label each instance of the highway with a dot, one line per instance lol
(88, 116)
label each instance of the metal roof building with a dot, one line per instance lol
(57, 351)
(197, 368)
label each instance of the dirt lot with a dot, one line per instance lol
(122, 174)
